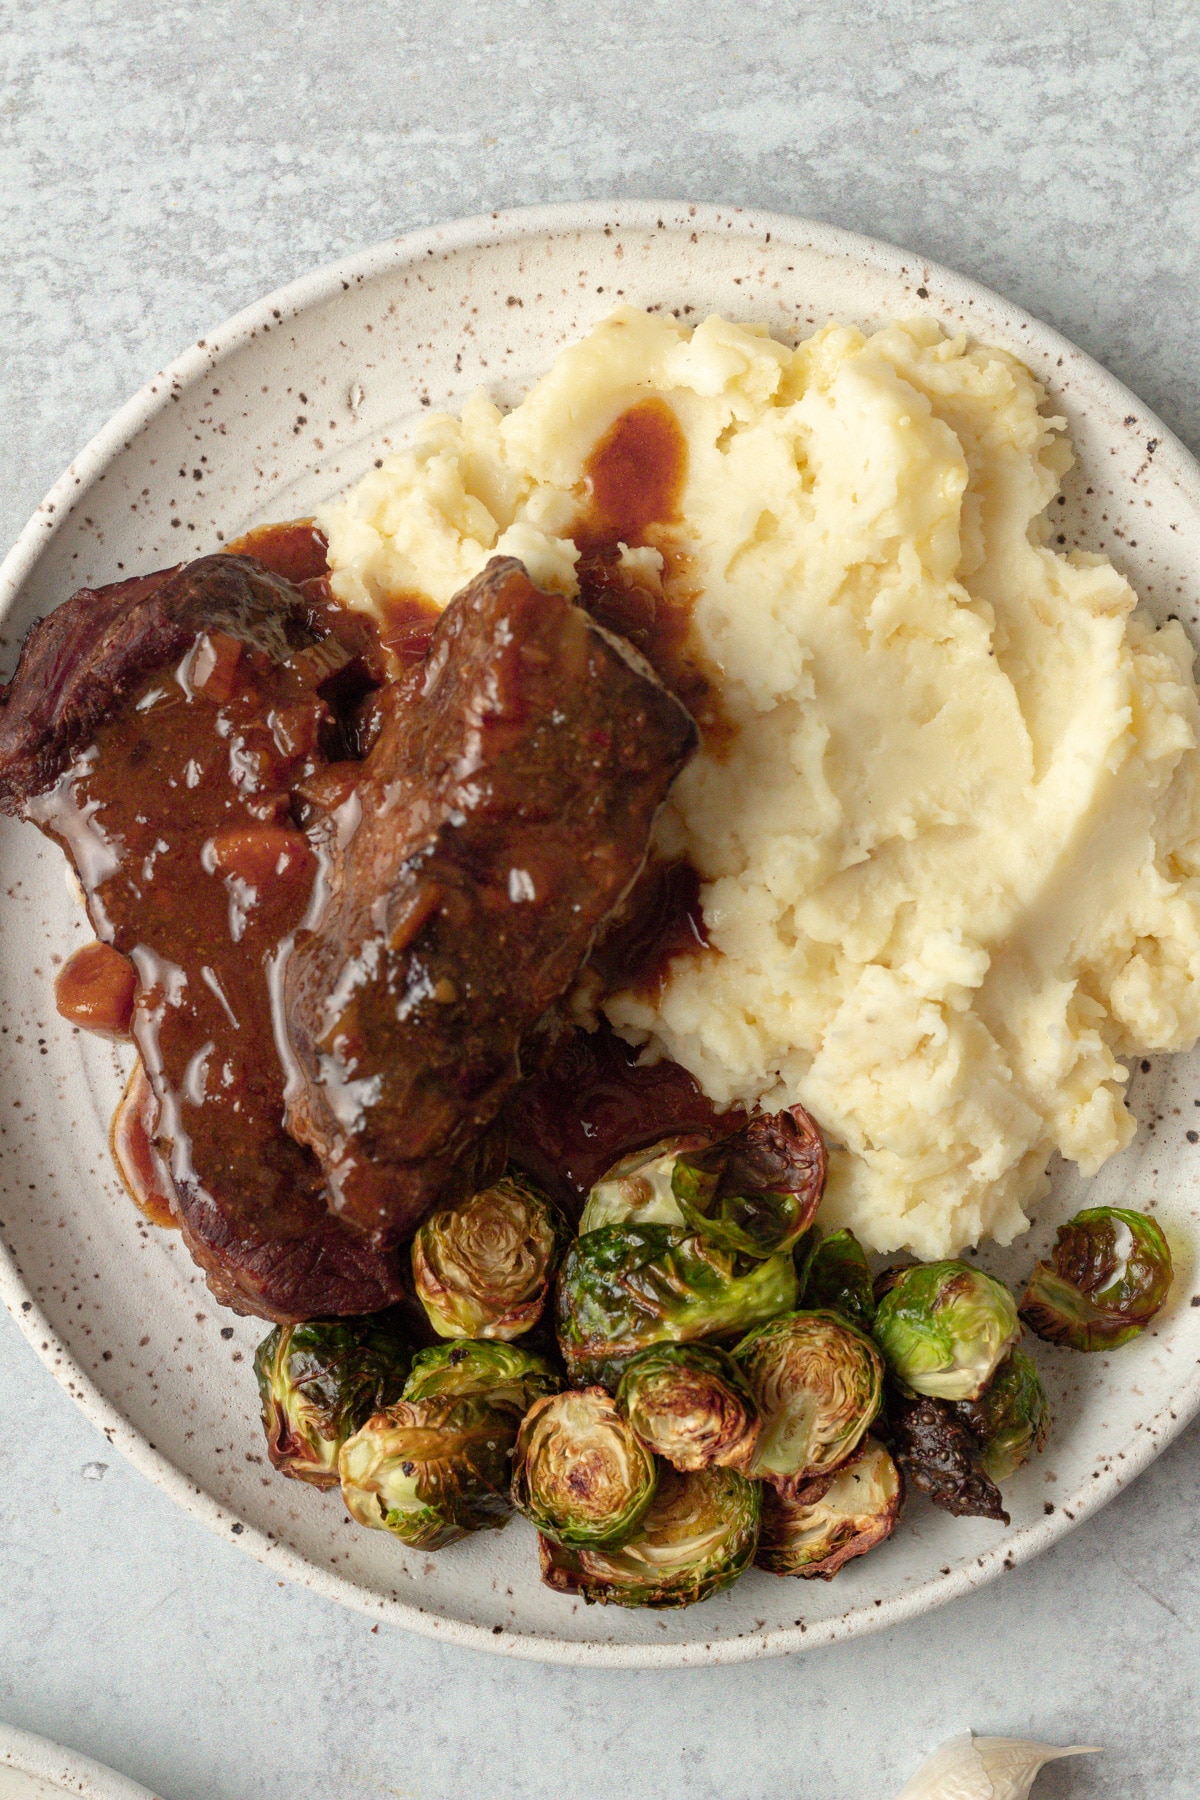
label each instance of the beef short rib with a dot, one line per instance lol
(159, 731)
(506, 811)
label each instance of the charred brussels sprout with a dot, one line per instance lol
(637, 1190)
(944, 1327)
(483, 1269)
(430, 1471)
(838, 1279)
(818, 1383)
(698, 1536)
(318, 1383)
(1108, 1274)
(690, 1404)
(1011, 1418)
(625, 1287)
(756, 1191)
(507, 1374)
(579, 1472)
(941, 1456)
(828, 1521)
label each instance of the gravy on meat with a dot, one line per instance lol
(203, 811)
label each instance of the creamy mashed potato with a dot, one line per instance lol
(951, 859)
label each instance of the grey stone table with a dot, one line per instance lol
(163, 164)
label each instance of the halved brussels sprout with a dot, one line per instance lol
(838, 1279)
(818, 1383)
(690, 1404)
(944, 1328)
(482, 1269)
(430, 1471)
(756, 1191)
(1011, 1418)
(1108, 1274)
(625, 1287)
(941, 1456)
(637, 1190)
(319, 1382)
(828, 1521)
(508, 1374)
(579, 1472)
(698, 1536)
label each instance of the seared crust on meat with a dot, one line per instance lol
(506, 811)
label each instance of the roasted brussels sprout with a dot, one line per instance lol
(756, 1191)
(944, 1327)
(941, 1456)
(625, 1287)
(579, 1472)
(1011, 1418)
(507, 1373)
(690, 1404)
(698, 1536)
(818, 1383)
(828, 1521)
(430, 1471)
(838, 1279)
(482, 1269)
(319, 1382)
(637, 1190)
(1108, 1274)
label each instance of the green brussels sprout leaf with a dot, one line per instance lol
(429, 1471)
(482, 1269)
(828, 1521)
(625, 1287)
(698, 1535)
(579, 1472)
(944, 1327)
(1011, 1418)
(818, 1383)
(319, 1382)
(1108, 1274)
(756, 1191)
(508, 1374)
(838, 1279)
(690, 1404)
(637, 1190)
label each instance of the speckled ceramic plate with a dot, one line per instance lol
(32, 1768)
(272, 413)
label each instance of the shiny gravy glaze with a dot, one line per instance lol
(230, 870)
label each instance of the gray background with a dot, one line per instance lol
(162, 166)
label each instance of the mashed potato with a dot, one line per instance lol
(951, 860)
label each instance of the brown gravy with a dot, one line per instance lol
(634, 479)
(202, 871)
(295, 549)
(592, 1103)
(663, 920)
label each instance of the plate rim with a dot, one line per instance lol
(28, 1753)
(316, 288)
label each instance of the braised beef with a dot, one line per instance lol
(162, 731)
(506, 810)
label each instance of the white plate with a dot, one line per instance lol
(32, 1768)
(271, 414)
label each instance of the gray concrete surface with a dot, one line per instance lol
(161, 165)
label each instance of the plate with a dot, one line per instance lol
(263, 419)
(32, 1768)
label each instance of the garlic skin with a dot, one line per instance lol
(984, 1768)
